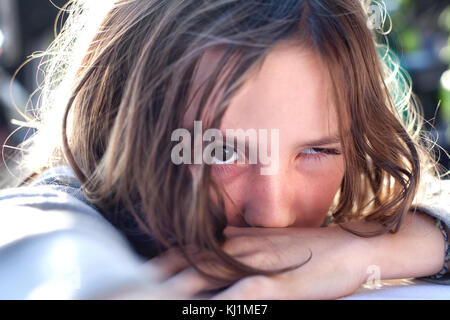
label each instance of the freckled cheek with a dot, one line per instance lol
(317, 194)
(234, 208)
(233, 190)
(315, 203)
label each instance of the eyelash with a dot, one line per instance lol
(320, 153)
(226, 167)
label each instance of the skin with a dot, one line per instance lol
(289, 93)
(274, 221)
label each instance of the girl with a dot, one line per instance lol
(353, 172)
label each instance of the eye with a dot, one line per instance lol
(311, 151)
(318, 153)
(229, 155)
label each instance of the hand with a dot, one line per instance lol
(337, 267)
(334, 270)
(167, 276)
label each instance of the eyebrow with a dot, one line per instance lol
(322, 141)
(333, 139)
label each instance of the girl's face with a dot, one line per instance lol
(289, 93)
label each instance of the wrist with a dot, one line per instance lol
(416, 250)
(357, 252)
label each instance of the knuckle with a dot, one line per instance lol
(237, 244)
(230, 245)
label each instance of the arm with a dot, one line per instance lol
(340, 261)
(421, 231)
(416, 250)
(436, 203)
(53, 246)
(60, 254)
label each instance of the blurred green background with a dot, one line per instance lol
(420, 37)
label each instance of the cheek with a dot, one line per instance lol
(232, 189)
(317, 194)
(234, 202)
(315, 204)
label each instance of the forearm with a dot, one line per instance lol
(416, 250)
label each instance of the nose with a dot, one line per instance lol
(270, 202)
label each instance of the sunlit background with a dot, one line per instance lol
(420, 37)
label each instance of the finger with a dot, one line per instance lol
(230, 231)
(167, 264)
(189, 283)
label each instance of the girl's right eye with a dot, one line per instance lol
(228, 156)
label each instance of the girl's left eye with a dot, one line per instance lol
(318, 153)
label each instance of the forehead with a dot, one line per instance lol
(290, 93)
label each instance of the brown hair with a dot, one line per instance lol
(132, 86)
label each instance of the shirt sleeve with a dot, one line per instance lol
(60, 248)
(435, 201)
